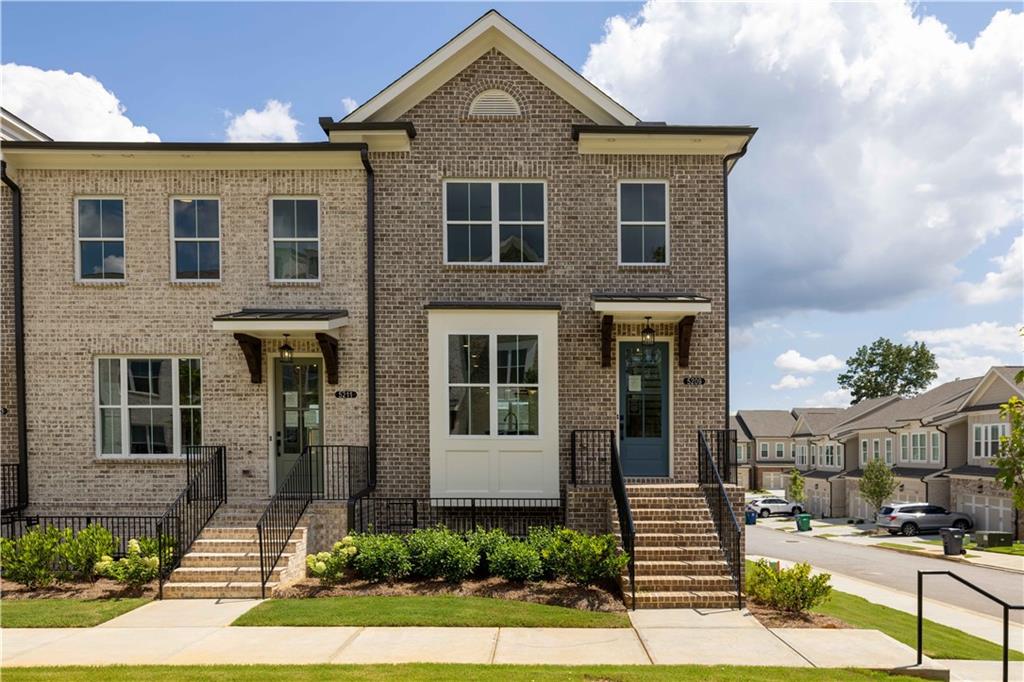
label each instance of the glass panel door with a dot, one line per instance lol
(643, 408)
(299, 422)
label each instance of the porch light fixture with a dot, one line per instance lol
(647, 333)
(286, 350)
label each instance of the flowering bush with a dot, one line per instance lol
(135, 569)
(330, 567)
(80, 553)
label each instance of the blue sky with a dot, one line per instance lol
(803, 280)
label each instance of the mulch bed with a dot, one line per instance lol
(773, 618)
(552, 593)
(101, 589)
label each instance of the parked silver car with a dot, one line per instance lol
(766, 506)
(910, 518)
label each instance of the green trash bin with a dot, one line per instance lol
(803, 522)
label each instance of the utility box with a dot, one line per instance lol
(993, 538)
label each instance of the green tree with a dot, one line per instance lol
(1010, 461)
(796, 486)
(885, 368)
(877, 483)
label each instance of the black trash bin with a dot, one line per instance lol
(952, 541)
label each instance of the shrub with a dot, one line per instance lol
(151, 547)
(135, 569)
(543, 541)
(381, 557)
(585, 559)
(793, 590)
(80, 553)
(330, 567)
(517, 561)
(485, 542)
(33, 559)
(440, 553)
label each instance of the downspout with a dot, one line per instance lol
(19, 338)
(371, 315)
(725, 217)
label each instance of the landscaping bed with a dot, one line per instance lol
(775, 618)
(103, 588)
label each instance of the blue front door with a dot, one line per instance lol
(643, 408)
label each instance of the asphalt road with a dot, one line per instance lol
(894, 570)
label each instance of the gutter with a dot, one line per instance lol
(726, 161)
(371, 314)
(19, 338)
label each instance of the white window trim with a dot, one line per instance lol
(777, 455)
(220, 232)
(176, 407)
(935, 447)
(922, 437)
(864, 450)
(272, 239)
(904, 447)
(765, 451)
(889, 454)
(986, 442)
(495, 222)
(619, 222)
(123, 239)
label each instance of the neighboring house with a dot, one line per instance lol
(488, 279)
(971, 427)
(771, 434)
(744, 452)
(14, 128)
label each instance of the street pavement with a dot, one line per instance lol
(894, 570)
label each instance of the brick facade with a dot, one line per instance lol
(589, 508)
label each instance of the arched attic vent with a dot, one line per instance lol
(494, 102)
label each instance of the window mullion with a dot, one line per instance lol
(125, 428)
(492, 371)
(176, 406)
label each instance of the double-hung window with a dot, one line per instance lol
(195, 233)
(814, 455)
(295, 239)
(100, 236)
(876, 450)
(643, 223)
(830, 455)
(780, 451)
(764, 451)
(904, 447)
(495, 221)
(936, 447)
(148, 406)
(888, 451)
(741, 452)
(864, 452)
(512, 380)
(986, 439)
(918, 447)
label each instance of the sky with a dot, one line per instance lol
(882, 195)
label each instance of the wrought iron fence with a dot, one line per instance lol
(8, 488)
(722, 449)
(372, 514)
(729, 531)
(339, 471)
(205, 490)
(294, 494)
(123, 528)
(592, 456)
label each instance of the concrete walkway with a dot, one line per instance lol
(978, 624)
(197, 631)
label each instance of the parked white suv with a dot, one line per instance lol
(766, 506)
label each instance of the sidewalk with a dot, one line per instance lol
(198, 632)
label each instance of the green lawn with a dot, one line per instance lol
(420, 672)
(1016, 549)
(444, 611)
(63, 613)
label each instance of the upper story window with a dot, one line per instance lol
(904, 447)
(888, 450)
(495, 221)
(643, 223)
(195, 225)
(100, 237)
(295, 239)
(780, 450)
(936, 447)
(864, 452)
(764, 451)
(741, 452)
(986, 439)
(918, 447)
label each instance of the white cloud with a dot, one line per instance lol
(970, 350)
(68, 106)
(273, 123)
(792, 361)
(349, 104)
(837, 398)
(874, 169)
(790, 381)
(1007, 282)
(743, 336)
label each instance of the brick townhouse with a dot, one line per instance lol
(492, 295)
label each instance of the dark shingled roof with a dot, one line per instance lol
(899, 472)
(972, 470)
(767, 423)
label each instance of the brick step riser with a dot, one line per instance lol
(245, 574)
(680, 568)
(653, 491)
(668, 503)
(194, 591)
(678, 554)
(673, 584)
(675, 540)
(668, 515)
(226, 546)
(681, 602)
(228, 533)
(677, 527)
(200, 560)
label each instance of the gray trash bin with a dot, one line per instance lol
(952, 541)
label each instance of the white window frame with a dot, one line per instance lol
(272, 239)
(220, 232)
(864, 450)
(830, 455)
(936, 447)
(904, 447)
(813, 452)
(175, 407)
(919, 446)
(620, 223)
(765, 451)
(79, 239)
(801, 457)
(888, 451)
(876, 449)
(741, 452)
(986, 442)
(780, 446)
(495, 183)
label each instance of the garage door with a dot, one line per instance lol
(859, 507)
(817, 502)
(989, 512)
(775, 480)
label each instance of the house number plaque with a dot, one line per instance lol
(344, 394)
(694, 381)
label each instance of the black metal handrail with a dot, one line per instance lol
(205, 491)
(276, 525)
(1006, 614)
(713, 484)
(380, 514)
(8, 488)
(626, 527)
(339, 471)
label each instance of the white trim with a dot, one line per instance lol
(671, 392)
(632, 223)
(890, 454)
(983, 385)
(495, 221)
(175, 240)
(277, 327)
(656, 310)
(987, 453)
(273, 239)
(78, 238)
(777, 456)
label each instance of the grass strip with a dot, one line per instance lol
(63, 613)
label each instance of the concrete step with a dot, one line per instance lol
(680, 583)
(222, 574)
(215, 590)
(221, 559)
(690, 568)
(690, 600)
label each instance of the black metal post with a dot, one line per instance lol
(573, 464)
(160, 558)
(263, 581)
(1006, 643)
(920, 615)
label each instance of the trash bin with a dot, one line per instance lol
(952, 541)
(751, 517)
(803, 522)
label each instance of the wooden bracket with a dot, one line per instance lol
(683, 332)
(252, 349)
(329, 348)
(606, 341)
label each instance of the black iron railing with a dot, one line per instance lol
(626, 528)
(8, 488)
(294, 494)
(716, 448)
(339, 471)
(591, 457)
(123, 528)
(369, 513)
(1006, 614)
(205, 490)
